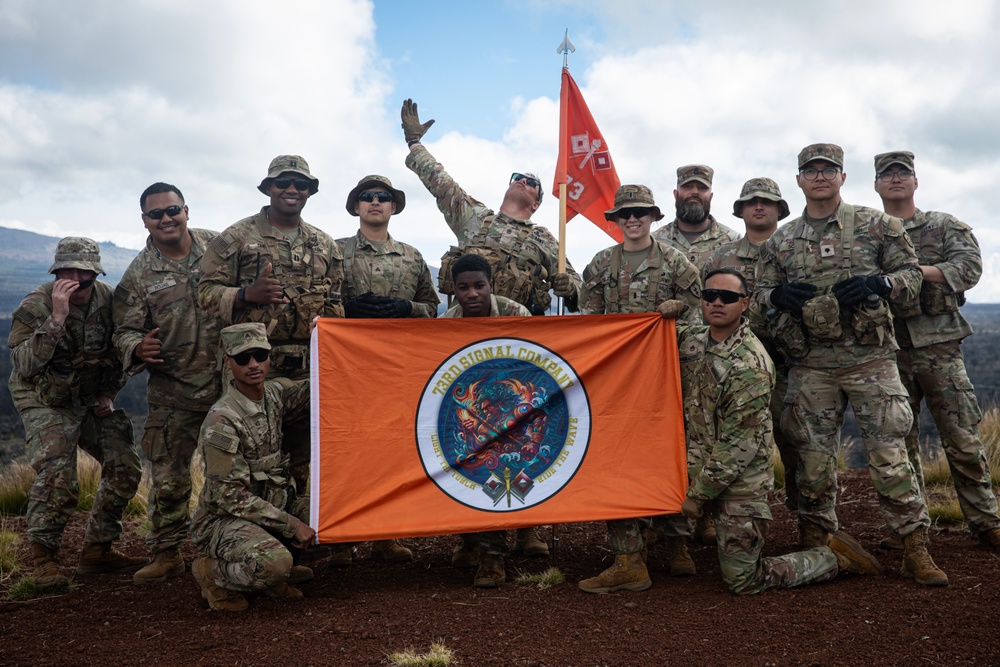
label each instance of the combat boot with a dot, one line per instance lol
(490, 573)
(892, 543)
(812, 535)
(680, 561)
(343, 556)
(102, 557)
(46, 572)
(851, 556)
(990, 538)
(299, 574)
(165, 564)
(627, 573)
(465, 556)
(917, 562)
(704, 530)
(283, 590)
(528, 543)
(218, 597)
(391, 551)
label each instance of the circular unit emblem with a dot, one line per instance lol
(503, 425)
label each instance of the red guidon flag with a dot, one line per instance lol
(439, 426)
(585, 164)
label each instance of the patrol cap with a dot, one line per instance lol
(289, 163)
(246, 336)
(829, 152)
(764, 188)
(695, 172)
(375, 181)
(78, 252)
(633, 196)
(884, 160)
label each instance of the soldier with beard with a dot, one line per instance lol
(694, 231)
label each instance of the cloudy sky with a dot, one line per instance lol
(99, 99)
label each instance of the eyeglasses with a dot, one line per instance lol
(372, 195)
(301, 184)
(828, 174)
(529, 181)
(901, 174)
(259, 355)
(627, 213)
(727, 295)
(158, 213)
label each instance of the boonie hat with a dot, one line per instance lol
(695, 172)
(375, 181)
(246, 336)
(284, 164)
(77, 252)
(829, 152)
(884, 160)
(633, 196)
(764, 188)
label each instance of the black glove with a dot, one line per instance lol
(366, 305)
(792, 296)
(856, 289)
(393, 308)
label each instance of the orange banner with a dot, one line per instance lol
(585, 164)
(435, 426)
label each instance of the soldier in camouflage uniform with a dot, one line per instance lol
(761, 207)
(248, 513)
(275, 268)
(822, 282)
(523, 255)
(476, 297)
(383, 278)
(695, 231)
(929, 331)
(161, 329)
(636, 276)
(726, 405)
(65, 376)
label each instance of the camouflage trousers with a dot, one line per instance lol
(625, 536)
(169, 442)
(52, 436)
(789, 457)
(492, 542)
(246, 558)
(296, 437)
(937, 375)
(742, 530)
(812, 419)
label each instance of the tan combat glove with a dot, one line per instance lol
(562, 285)
(412, 129)
(671, 309)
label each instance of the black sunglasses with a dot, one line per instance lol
(259, 355)
(158, 213)
(301, 184)
(627, 213)
(727, 295)
(372, 195)
(529, 181)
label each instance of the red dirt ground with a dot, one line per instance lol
(358, 614)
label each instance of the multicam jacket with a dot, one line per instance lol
(612, 286)
(499, 307)
(703, 246)
(395, 270)
(246, 472)
(159, 292)
(66, 365)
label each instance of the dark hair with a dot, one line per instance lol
(155, 189)
(471, 263)
(729, 271)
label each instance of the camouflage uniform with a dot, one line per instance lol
(59, 371)
(393, 269)
(742, 256)
(696, 251)
(848, 356)
(159, 292)
(310, 268)
(248, 509)
(931, 364)
(726, 388)
(499, 307)
(524, 255)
